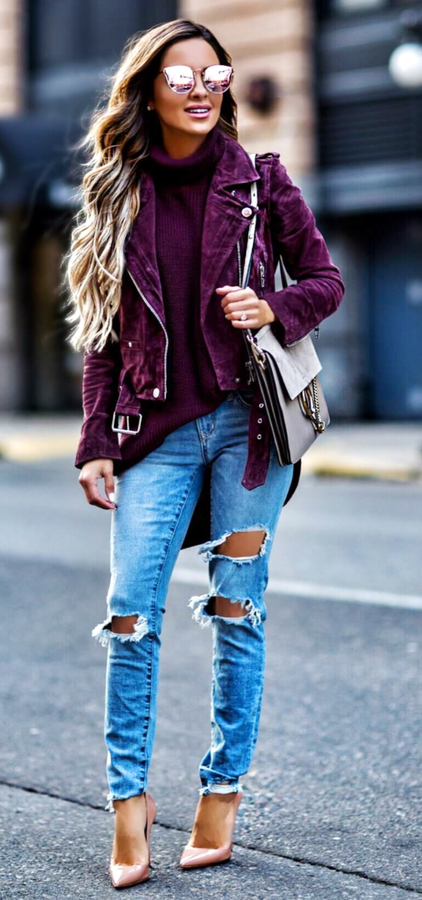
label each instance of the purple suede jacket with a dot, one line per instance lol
(118, 378)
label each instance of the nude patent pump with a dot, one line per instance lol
(192, 857)
(124, 876)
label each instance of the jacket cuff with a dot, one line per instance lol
(87, 451)
(286, 326)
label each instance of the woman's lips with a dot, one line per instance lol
(202, 114)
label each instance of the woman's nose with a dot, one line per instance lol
(199, 88)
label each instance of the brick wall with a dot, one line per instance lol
(11, 40)
(274, 38)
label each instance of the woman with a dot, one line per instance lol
(169, 408)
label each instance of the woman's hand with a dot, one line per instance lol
(236, 300)
(90, 473)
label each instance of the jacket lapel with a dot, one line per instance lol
(140, 250)
(224, 222)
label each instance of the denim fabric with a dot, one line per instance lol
(155, 500)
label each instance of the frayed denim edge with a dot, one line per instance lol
(207, 548)
(218, 788)
(200, 601)
(104, 634)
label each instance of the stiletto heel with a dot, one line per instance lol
(207, 856)
(124, 876)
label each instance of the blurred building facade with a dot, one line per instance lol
(369, 186)
(11, 102)
(311, 82)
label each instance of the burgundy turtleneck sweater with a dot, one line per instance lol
(181, 187)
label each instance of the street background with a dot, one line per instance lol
(332, 803)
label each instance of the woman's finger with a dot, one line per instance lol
(246, 323)
(248, 306)
(109, 484)
(89, 482)
(235, 293)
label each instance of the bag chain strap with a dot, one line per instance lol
(309, 403)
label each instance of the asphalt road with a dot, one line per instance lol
(332, 802)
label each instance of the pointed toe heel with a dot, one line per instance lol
(194, 857)
(124, 876)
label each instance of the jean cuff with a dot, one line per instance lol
(214, 787)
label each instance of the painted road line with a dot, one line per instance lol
(184, 575)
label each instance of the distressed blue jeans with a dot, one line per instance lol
(155, 500)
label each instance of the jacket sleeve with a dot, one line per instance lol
(320, 288)
(99, 395)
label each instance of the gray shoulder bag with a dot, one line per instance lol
(287, 376)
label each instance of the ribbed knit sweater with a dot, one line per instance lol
(181, 187)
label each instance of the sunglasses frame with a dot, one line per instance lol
(194, 71)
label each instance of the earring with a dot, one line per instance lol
(149, 108)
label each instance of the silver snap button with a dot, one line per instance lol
(129, 343)
(156, 392)
(259, 436)
(237, 379)
(246, 211)
(259, 421)
(260, 405)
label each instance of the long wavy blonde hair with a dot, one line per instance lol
(118, 139)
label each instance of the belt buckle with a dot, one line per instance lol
(117, 428)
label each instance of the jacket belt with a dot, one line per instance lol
(127, 404)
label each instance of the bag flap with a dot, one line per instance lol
(298, 365)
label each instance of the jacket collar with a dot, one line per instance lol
(223, 226)
(235, 165)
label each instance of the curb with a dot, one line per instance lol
(362, 471)
(37, 448)
(25, 447)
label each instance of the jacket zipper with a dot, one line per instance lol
(161, 323)
(262, 272)
(249, 363)
(239, 263)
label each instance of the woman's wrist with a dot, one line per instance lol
(269, 315)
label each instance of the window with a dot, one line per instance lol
(62, 32)
(351, 6)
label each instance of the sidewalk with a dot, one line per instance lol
(389, 451)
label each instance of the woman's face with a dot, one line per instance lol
(171, 108)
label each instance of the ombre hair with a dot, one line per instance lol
(118, 139)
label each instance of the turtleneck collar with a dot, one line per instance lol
(189, 168)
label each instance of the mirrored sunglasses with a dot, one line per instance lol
(181, 79)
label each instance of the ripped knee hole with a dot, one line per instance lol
(122, 628)
(123, 624)
(240, 545)
(222, 606)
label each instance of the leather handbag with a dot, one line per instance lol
(287, 376)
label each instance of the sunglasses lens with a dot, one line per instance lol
(217, 78)
(179, 78)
